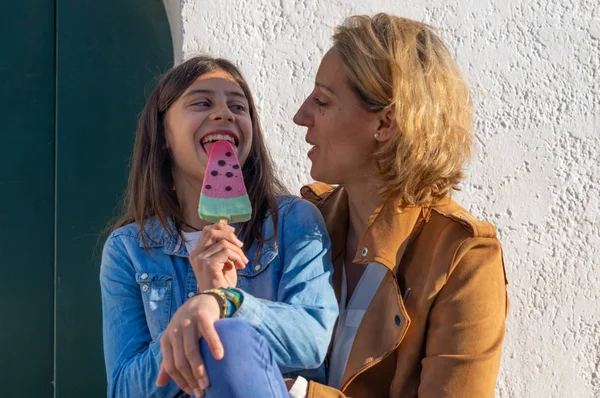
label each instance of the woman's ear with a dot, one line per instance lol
(387, 124)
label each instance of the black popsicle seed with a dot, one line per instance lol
(208, 187)
(229, 174)
(221, 163)
(236, 166)
(228, 188)
(214, 173)
(228, 154)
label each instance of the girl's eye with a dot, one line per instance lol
(238, 107)
(201, 103)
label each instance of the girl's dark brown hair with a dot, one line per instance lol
(150, 190)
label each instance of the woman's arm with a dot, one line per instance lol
(132, 358)
(466, 325)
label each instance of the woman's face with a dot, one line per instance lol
(339, 129)
(212, 108)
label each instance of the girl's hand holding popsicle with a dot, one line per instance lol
(217, 257)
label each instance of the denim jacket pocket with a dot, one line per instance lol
(156, 295)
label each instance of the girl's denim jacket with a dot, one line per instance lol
(287, 297)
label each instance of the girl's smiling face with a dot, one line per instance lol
(214, 107)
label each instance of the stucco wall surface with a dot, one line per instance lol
(534, 71)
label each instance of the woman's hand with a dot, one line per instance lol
(180, 344)
(217, 257)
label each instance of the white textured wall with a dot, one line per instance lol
(534, 71)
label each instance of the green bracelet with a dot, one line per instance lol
(234, 298)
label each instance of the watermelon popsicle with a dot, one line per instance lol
(224, 196)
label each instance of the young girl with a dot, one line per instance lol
(167, 276)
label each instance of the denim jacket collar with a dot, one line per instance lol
(174, 245)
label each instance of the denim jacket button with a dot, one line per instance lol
(191, 294)
(144, 276)
(257, 267)
(145, 287)
(364, 251)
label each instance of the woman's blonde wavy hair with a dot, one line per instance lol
(400, 63)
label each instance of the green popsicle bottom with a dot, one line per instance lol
(231, 209)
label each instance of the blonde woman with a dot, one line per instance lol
(420, 282)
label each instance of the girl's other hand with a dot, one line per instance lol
(180, 344)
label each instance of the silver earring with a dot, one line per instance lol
(376, 135)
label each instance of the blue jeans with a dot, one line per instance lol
(248, 368)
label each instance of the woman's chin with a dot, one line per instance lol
(319, 175)
(314, 174)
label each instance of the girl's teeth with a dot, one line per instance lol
(218, 137)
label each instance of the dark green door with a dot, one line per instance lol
(26, 197)
(74, 77)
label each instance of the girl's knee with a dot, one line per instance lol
(236, 337)
(236, 332)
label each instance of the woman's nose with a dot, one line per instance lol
(302, 117)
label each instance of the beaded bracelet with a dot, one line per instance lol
(221, 299)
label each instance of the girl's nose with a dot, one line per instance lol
(222, 112)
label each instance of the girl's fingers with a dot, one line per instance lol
(225, 260)
(181, 362)
(169, 363)
(163, 377)
(217, 232)
(191, 347)
(209, 333)
(221, 246)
